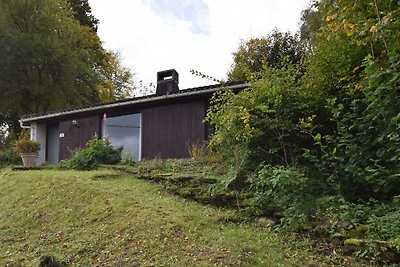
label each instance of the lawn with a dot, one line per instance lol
(107, 218)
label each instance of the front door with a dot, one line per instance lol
(53, 143)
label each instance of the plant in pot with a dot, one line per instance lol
(28, 149)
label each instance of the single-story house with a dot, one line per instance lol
(158, 125)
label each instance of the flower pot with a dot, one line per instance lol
(30, 159)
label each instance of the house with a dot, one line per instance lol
(159, 125)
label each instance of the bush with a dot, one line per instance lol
(9, 157)
(304, 203)
(98, 151)
(25, 145)
(277, 185)
(371, 230)
(196, 151)
(286, 192)
(263, 123)
(362, 157)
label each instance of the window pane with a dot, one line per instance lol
(124, 132)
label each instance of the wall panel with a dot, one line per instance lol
(76, 136)
(167, 129)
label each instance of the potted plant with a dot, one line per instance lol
(28, 149)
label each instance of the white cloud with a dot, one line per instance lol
(151, 40)
(193, 11)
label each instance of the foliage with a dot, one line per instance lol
(117, 80)
(83, 13)
(53, 59)
(340, 107)
(362, 154)
(372, 227)
(308, 204)
(280, 186)
(288, 193)
(97, 152)
(311, 21)
(5, 138)
(275, 50)
(143, 90)
(47, 57)
(205, 76)
(9, 157)
(265, 122)
(25, 145)
(196, 151)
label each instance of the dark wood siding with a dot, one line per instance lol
(76, 136)
(167, 129)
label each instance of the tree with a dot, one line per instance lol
(276, 50)
(311, 21)
(356, 61)
(49, 61)
(262, 124)
(117, 80)
(83, 13)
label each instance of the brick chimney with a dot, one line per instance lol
(167, 82)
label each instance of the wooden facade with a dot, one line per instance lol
(168, 129)
(75, 135)
(168, 124)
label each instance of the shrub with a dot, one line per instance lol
(363, 155)
(279, 190)
(369, 223)
(98, 151)
(25, 145)
(263, 122)
(9, 157)
(196, 151)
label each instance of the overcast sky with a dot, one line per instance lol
(154, 35)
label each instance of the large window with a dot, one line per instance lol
(124, 132)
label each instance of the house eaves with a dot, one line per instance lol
(26, 120)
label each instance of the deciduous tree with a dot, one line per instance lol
(83, 13)
(52, 58)
(275, 50)
(117, 80)
(355, 61)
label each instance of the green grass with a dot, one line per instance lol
(105, 218)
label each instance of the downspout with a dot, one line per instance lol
(21, 124)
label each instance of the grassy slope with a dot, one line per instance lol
(122, 221)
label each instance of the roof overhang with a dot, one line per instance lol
(26, 121)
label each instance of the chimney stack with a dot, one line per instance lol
(167, 82)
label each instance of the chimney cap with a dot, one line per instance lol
(167, 82)
(170, 74)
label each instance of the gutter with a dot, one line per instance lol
(21, 124)
(121, 104)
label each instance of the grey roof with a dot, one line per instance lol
(27, 119)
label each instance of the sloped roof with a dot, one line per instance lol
(27, 119)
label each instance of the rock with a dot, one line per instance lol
(46, 261)
(206, 180)
(241, 181)
(267, 222)
(49, 261)
(185, 177)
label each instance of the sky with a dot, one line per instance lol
(201, 35)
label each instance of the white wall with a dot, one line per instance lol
(38, 133)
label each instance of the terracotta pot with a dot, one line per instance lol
(30, 159)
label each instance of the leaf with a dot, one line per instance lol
(373, 29)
